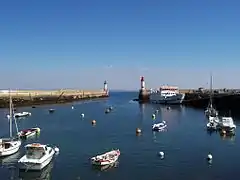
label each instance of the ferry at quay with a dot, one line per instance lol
(166, 95)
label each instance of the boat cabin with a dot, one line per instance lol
(35, 151)
(227, 121)
(169, 90)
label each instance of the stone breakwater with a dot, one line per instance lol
(40, 97)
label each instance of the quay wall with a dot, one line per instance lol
(222, 98)
(39, 97)
(227, 100)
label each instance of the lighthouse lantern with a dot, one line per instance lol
(142, 83)
(105, 88)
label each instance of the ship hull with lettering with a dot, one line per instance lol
(166, 95)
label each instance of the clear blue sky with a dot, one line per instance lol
(80, 43)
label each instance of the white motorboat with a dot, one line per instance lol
(159, 126)
(9, 146)
(29, 132)
(227, 124)
(106, 158)
(37, 157)
(21, 114)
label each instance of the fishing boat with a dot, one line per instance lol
(11, 145)
(106, 158)
(29, 132)
(159, 126)
(37, 157)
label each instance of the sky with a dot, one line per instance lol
(79, 44)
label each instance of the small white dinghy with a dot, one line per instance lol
(106, 158)
(159, 126)
(29, 132)
(37, 157)
(21, 114)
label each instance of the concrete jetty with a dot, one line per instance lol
(39, 97)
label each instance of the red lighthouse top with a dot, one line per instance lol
(142, 78)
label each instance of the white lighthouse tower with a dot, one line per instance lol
(105, 87)
(142, 83)
(143, 93)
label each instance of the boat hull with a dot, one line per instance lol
(157, 98)
(97, 163)
(11, 150)
(30, 133)
(159, 128)
(33, 166)
(108, 161)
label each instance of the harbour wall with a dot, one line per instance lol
(222, 101)
(40, 97)
(222, 98)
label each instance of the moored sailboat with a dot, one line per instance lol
(11, 145)
(210, 110)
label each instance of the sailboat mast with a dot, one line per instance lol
(10, 113)
(211, 90)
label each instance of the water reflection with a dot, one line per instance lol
(142, 108)
(172, 113)
(44, 174)
(10, 160)
(106, 167)
(229, 137)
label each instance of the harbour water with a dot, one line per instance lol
(185, 143)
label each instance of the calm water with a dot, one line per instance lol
(185, 143)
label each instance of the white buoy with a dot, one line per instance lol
(82, 115)
(56, 149)
(72, 107)
(209, 157)
(161, 154)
